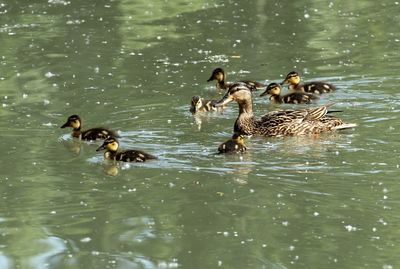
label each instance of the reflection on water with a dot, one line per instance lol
(323, 201)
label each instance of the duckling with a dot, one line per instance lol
(278, 123)
(199, 104)
(219, 75)
(75, 122)
(111, 146)
(233, 145)
(317, 87)
(297, 97)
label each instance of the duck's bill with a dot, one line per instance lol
(283, 82)
(65, 125)
(102, 147)
(264, 93)
(210, 79)
(224, 101)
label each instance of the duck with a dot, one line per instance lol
(219, 75)
(75, 122)
(199, 104)
(296, 97)
(293, 122)
(317, 87)
(233, 145)
(111, 146)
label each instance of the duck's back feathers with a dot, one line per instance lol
(299, 98)
(133, 156)
(316, 87)
(96, 133)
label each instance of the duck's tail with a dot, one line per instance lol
(345, 126)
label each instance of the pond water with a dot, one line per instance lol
(297, 202)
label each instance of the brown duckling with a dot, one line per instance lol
(308, 121)
(317, 87)
(233, 145)
(75, 123)
(219, 75)
(111, 146)
(296, 97)
(199, 104)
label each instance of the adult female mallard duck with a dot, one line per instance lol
(280, 122)
(296, 97)
(111, 146)
(75, 122)
(219, 75)
(317, 87)
(199, 104)
(233, 145)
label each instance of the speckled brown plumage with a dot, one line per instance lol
(280, 122)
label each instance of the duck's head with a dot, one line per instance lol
(197, 103)
(238, 92)
(218, 74)
(110, 144)
(272, 89)
(73, 121)
(239, 138)
(292, 78)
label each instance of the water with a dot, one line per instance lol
(300, 202)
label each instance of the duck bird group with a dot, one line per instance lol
(75, 123)
(280, 122)
(296, 97)
(293, 80)
(219, 75)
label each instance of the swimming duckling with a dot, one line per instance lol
(297, 97)
(317, 87)
(219, 75)
(111, 146)
(233, 145)
(199, 104)
(308, 121)
(75, 122)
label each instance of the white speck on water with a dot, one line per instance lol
(291, 248)
(285, 223)
(350, 228)
(24, 96)
(169, 121)
(49, 74)
(382, 222)
(132, 190)
(316, 214)
(385, 190)
(264, 245)
(46, 102)
(86, 240)
(95, 253)
(374, 229)
(387, 266)
(306, 16)
(219, 263)
(252, 191)
(53, 212)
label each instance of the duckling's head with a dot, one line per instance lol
(238, 92)
(73, 121)
(239, 138)
(196, 104)
(292, 78)
(110, 144)
(272, 89)
(218, 74)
